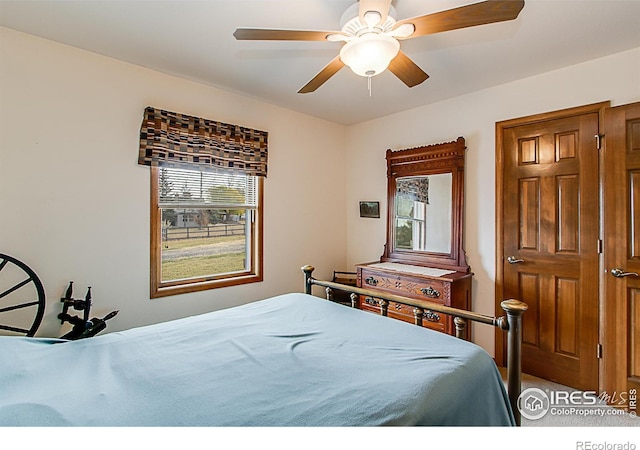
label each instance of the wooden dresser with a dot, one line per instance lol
(423, 256)
(446, 287)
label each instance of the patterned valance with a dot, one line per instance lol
(177, 140)
(414, 188)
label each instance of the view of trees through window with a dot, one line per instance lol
(205, 223)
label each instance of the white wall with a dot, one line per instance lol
(74, 204)
(473, 116)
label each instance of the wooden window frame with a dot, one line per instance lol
(161, 288)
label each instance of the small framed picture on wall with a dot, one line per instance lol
(370, 209)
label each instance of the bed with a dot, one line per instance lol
(290, 360)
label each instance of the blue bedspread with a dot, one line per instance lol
(292, 360)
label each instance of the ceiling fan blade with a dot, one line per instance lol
(381, 6)
(260, 34)
(465, 16)
(404, 68)
(329, 70)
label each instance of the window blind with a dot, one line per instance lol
(414, 188)
(179, 188)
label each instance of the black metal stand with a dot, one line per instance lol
(82, 326)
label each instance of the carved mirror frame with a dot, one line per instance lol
(428, 160)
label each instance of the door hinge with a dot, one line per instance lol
(599, 351)
(599, 141)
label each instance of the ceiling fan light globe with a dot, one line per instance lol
(369, 54)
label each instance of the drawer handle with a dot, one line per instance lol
(398, 306)
(371, 301)
(430, 292)
(372, 281)
(431, 316)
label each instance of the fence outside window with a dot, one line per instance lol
(208, 231)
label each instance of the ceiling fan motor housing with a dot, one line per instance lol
(351, 25)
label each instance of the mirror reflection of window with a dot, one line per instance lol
(423, 213)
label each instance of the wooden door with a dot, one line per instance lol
(621, 336)
(549, 222)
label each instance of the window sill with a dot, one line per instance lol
(199, 285)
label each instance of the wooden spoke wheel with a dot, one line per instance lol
(22, 298)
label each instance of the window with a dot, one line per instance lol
(207, 179)
(410, 224)
(206, 230)
(412, 198)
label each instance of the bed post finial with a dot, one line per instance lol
(514, 310)
(308, 270)
(461, 327)
(354, 300)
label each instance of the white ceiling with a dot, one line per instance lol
(194, 40)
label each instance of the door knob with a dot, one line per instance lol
(514, 260)
(619, 273)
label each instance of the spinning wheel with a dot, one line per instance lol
(22, 298)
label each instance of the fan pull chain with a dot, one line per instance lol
(369, 74)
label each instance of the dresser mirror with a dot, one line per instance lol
(423, 213)
(425, 206)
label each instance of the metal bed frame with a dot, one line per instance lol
(512, 323)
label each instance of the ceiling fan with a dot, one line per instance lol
(372, 36)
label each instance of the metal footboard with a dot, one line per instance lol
(511, 323)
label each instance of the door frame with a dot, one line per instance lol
(614, 338)
(599, 108)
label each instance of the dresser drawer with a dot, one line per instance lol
(452, 290)
(430, 319)
(399, 284)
